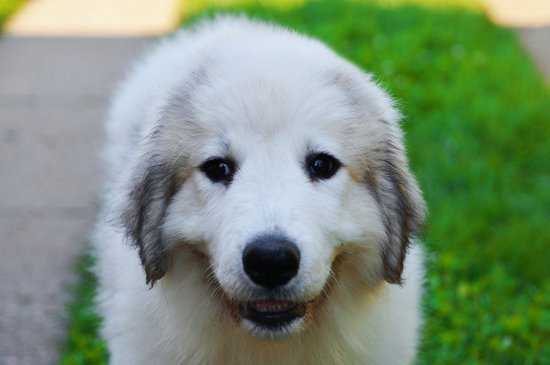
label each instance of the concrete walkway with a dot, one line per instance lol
(53, 97)
(537, 42)
(95, 18)
(54, 92)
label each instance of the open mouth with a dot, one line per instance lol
(272, 312)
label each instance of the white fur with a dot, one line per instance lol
(266, 96)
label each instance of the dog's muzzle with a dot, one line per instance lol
(271, 261)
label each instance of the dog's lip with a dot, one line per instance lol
(272, 312)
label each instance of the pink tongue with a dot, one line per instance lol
(271, 306)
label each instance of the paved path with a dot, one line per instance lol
(53, 96)
(537, 42)
(95, 18)
(54, 93)
(519, 13)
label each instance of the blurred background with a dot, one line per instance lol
(471, 77)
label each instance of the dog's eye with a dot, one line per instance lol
(322, 166)
(219, 170)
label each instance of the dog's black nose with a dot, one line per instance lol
(271, 261)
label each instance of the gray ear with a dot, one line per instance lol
(388, 176)
(401, 204)
(144, 215)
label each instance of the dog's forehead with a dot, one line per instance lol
(270, 99)
(273, 113)
(288, 115)
(273, 99)
(272, 78)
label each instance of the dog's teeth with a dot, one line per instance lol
(270, 306)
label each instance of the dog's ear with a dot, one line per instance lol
(388, 175)
(143, 215)
(400, 202)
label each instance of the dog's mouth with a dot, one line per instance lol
(272, 313)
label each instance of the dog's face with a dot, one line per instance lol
(278, 175)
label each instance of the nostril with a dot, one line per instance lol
(271, 261)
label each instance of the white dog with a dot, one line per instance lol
(264, 182)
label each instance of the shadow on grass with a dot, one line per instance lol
(477, 125)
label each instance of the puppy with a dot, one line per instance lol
(259, 207)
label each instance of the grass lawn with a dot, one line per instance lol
(478, 133)
(7, 7)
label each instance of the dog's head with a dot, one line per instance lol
(283, 165)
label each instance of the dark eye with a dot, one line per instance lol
(219, 170)
(322, 166)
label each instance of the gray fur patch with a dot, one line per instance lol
(402, 207)
(157, 180)
(144, 216)
(349, 86)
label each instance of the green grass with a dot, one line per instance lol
(478, 131)
(7, 8)
(83, 345)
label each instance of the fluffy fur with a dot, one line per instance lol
(170, 241)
